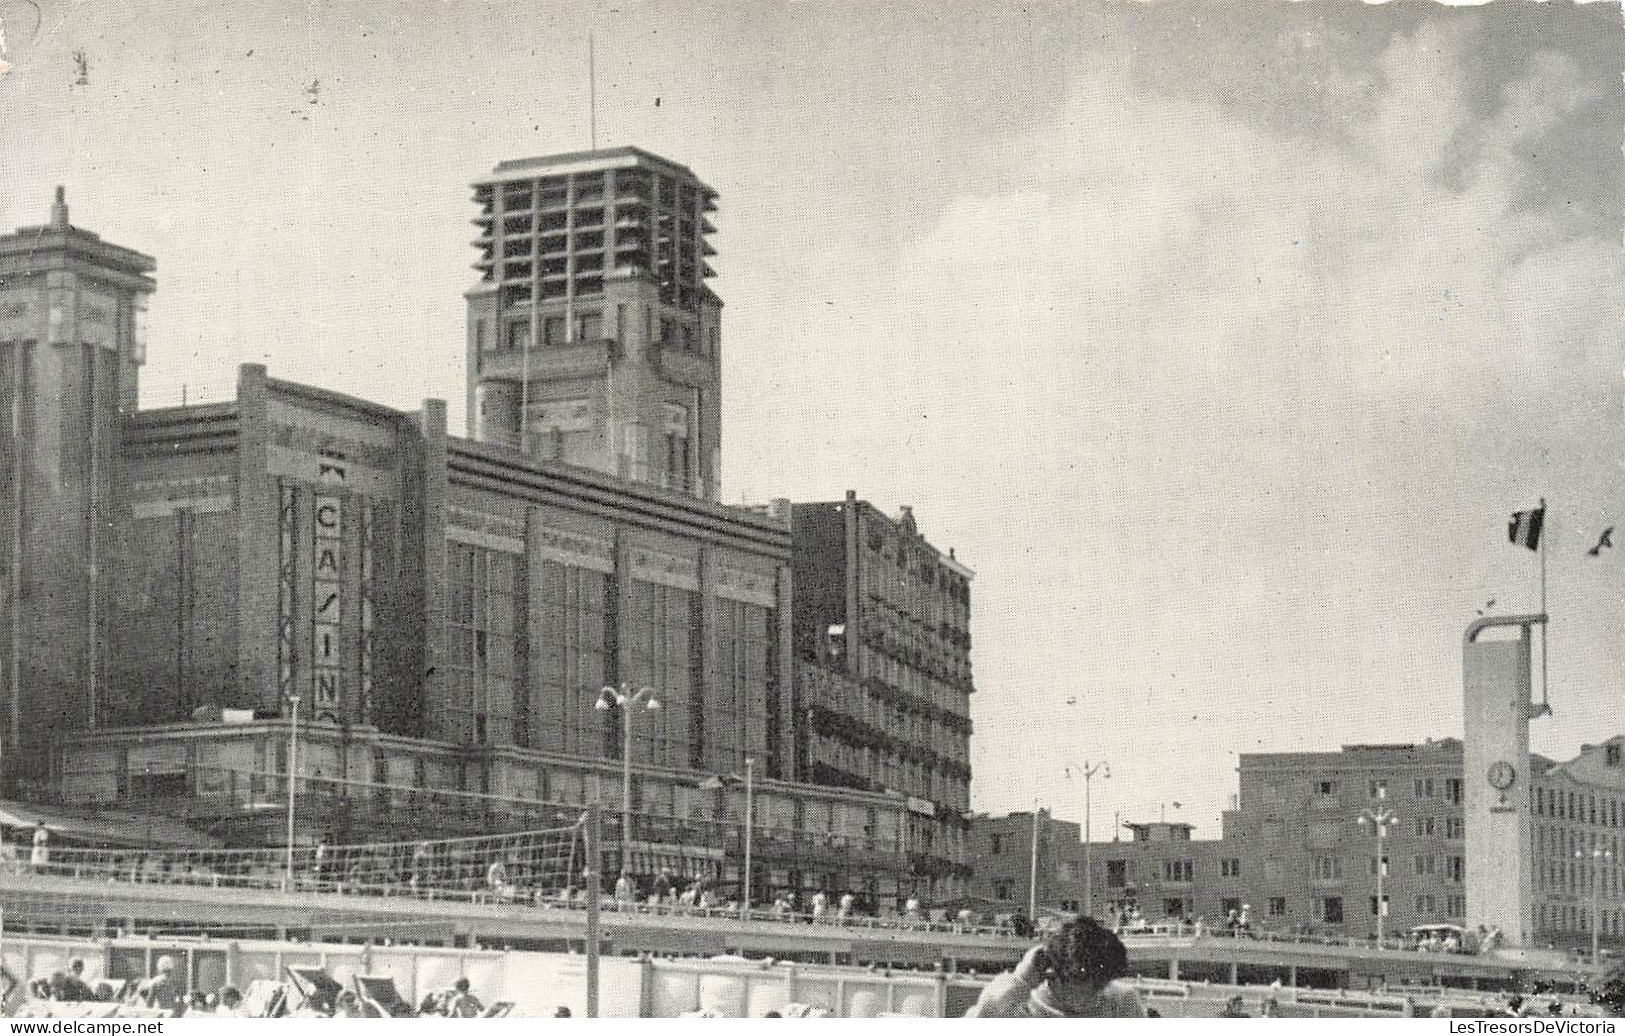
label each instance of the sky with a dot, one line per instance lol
(1221, 340)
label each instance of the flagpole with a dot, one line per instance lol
(1545, 535)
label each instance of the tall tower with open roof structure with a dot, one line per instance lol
(593, 338)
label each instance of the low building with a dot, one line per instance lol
(1010, 851)
(1158, 869)
(1296, 852)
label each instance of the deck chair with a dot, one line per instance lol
(315, 986)
(265, 998)
(377, 993)
(499, 1009)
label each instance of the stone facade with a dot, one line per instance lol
(71, 346)
(447, 611)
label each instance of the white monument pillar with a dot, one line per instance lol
(1496, 712)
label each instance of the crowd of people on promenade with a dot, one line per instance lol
(665, 893)
(431, 870)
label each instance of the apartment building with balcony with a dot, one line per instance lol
(881, 637)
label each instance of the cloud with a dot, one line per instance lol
(1211, 363)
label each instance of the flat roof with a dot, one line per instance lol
(513, 169)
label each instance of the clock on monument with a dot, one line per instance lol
(1501, 775)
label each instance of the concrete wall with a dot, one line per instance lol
(1496, 713)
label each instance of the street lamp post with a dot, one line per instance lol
(750, 832)
(293, 768)
(1381, 819)
(750, 826)
(1597, 856)
(1088, 772)
(624, 699)
(1032, 873)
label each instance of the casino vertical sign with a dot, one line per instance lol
(327, 605)
(335, 513)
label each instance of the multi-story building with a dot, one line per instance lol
(1310, 858)
(441, 614)
(1316, 863)
(1296, 853)
(881, 637)
(1577, 812)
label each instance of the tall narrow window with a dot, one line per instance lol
(483, 667)
(519, 334)
(678, 473)
(552, 330)
(571, 653)
(659, 627)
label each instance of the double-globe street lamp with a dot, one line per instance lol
(1597, 857)
(749, 780)
(1087, 772)
(626, 699)
(1380, 820)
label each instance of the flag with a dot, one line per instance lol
(1524, 528)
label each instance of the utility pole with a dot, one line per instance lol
(594, 890)
(1597, 857)
(1032, 877)
(750, 826)
(293, 768)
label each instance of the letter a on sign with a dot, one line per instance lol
(327, 563)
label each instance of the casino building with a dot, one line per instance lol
(434, 618)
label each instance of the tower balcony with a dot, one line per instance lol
(581, 358)
(684, 368)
